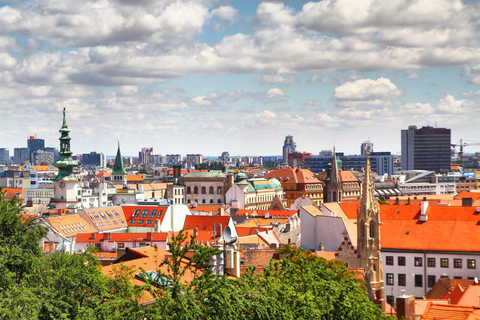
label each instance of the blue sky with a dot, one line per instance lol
(238, 76)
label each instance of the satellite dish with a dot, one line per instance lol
(227, 233)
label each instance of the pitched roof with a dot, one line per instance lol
(347, 176)
(450, 312)
(105, 218)
(120, 237)
(144, 216)
(208, 174)
(248, 231)
(13, 192)
(468, 194)
(313, 211)
(134, 178)
(70, 225)
(118, 167)
(207, 226)
(443, 286)
(293, 176)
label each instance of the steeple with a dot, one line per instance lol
(65, 164)
(119, 174)
(368, 241)
(333, 183)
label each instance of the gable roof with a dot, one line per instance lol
(70, 225)
(451, 312)
(105, 218)
(293, 176)
(144, 216)
(347, 176)
(207, 226)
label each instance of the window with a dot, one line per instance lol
(96, 216)
(431, 281)
(401, 261)
(457, 263)
(149, 222)
(418, 280)
(103, 215)
(152, 214)
(141, 221)
(444, 262)
(109, 214)
(219, 190)
(101, 223)
(418, 261)
(120, 245)
(401, 279)
(372, 229)
(144, 214)
(115, 222)
(389, 261)
(136, 213)
(211, 190)
(389, 279)
(189, 190)
(204, 190)
(471, 264)
(108, 223)
(195, 190)
(133, 221)
(390, 300)
(431, 262)
(116, 214)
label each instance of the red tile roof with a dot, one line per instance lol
(248, 231)
(347, 176)
(450, 312)
(468, 194)
(12, 192)
(206, 226)
(144, 216)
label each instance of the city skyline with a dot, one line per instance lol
(238, 76)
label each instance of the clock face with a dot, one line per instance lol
(62, 184)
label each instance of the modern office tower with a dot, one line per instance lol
(21, 155)
(42, 157)
(289, 146)
(4, 156)
(94, 159)
(193, 159)
(35, 144)
(426, 148)
(225, 157)
(366, 145)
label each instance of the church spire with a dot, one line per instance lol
(368, 233)
(65, 163)
(119, 175)
(333, 183)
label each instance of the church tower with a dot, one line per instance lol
(333, 192)
(368, 238)
(66, 189)
(119, 175)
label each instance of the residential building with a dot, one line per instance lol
(173, 159)
(289, 146)
(41, 157)
(21, 155)
(206, 187)
(426, 148)
(298, 183)
(4, 156)
(254, 193)
(193, 159)
(297, 159)
(53, 150)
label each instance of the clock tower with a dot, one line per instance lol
(66, 188)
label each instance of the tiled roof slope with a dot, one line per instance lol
(207, 226)
(70, 225)
(293, 176)
(468, 194)
(347, 176)
(144, 216)
(450, 312)
(441, 288)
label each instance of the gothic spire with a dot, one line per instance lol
(368, 188)
(118, 167)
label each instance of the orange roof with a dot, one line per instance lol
(450, 312)
(204, 208)
(206, 226)
(12, 193)
(70, 225)
(470, 296)
(248, 231)
(104, 174)
(347, 176)
(262, 213)
(44, 168)
(262, 222)
(328, 255)
(144, 216)
(134, 177)
(468, 194)
(293, 176)
(122, 237)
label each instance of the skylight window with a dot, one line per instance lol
(109, 214)
(152, 214)
(136, 213)
(116, 214)
(144, 214)
(103, 215)
(141, 221)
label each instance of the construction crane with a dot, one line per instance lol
(461, 145)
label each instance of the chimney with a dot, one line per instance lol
(230, 180)
(195, 232)
(467, 202)
(408, 201)
(423, 210)
(219, 230)
(107, 236)
(149, 236)
(321, 248)
(406, 307)
(397, 201)
(176, 173)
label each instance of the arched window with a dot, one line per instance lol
(189, 190)
(219, 190)
(195, 190)
(211, 191)
(372, 229)
(204, 190)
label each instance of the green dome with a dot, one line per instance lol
(240, 176)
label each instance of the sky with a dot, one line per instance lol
(207, 76)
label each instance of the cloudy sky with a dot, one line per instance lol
(211, 76)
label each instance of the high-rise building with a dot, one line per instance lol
(366, 145)
(4, 156)
(426, 148)
(289, 146)
(33, 145)
(144, 156)
(54, 150)
(42, 157)
(94, 159)
(21, 155)
(193, 159)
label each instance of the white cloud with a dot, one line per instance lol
(449, 105)
(276, 78)
(226, 13)
(275, 93)
(473, 72)
(367, 92)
